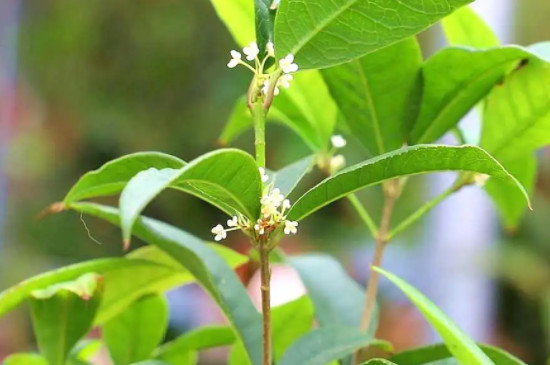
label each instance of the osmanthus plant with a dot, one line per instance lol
(317, 66)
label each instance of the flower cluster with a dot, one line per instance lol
(274, 205)
(286, 65)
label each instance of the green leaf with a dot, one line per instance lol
(379, 362)
(379, 93)
(83, 352)
(326, 33)
(63, 313)
(324, 345)
(184, 349)
(145, 271)
(238, 17)
(25, 359)
(517, 112)
(461, 346)
(428, 354)
(265, 24)
(287, 178)
(217, 177)
(451, 90)
(135, 333)
(111, 178)
(290, 321)
(509, 202)
(150, 362)
(408, 161)
(465, 27)
(210, 270)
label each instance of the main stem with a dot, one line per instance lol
(265, 274)
(259, 115)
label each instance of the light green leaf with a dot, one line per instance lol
(145, 271)
(287, 178)
(111, 178)
(461, 346)
(465, 27)
(150, 362)
(63, 313)
(324, 345)
(516, 120)
(379, 93)
(210, 270)
(135, 333)
(408, 161)
(85, 350)
(451, 90)
(509, 202)
(238, 17)
(25, 359)
(290, 321)
(429, 354)
(217, 177)
(326, 33)
(379, 362)
(184, 349)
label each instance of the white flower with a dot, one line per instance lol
(286, 204)
(275, 4)
(258, 228)
(263, 174)
(337, 162)
(265, 88)
(251, 51)
(235, 59)
(219, 232)
(287, 64)
(481, 179)
(276, 197)
(269, 47)
(284, 81)
(233, 222)
(338, 141)
(291, 227)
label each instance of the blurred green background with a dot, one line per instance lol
(99, 79)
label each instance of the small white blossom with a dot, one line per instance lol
(275, 4)
(337, 162)
(233, 222)
(235, 59)
(284, 81)
(270, 48)
(219, 232)
(481, 179)
(291, 227)
(338, 141)
(276, 197)
(287, 64)
(251, 51)
(259, 228)
(286, 204)
(263, 174)
(265, 88)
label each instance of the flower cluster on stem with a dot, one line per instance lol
(274, 206)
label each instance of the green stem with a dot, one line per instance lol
(259, 115)
(363, 214)
(423, 210)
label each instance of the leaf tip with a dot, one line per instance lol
(54, 208)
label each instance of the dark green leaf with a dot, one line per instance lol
(265, 24)
(287, 178)
(461, 346)
(217, 177)
(465, 27)
(326, 33)
(63, 313)
(379, 93)
(511, 203)
(209, 269)
(238, 17)
(451, 90)
(135, 333)
(408, 161)
(184, 349)
(25, 359)
(290, 321)
(324, 345)
(516, 120)
(428, 354)
(111, 178)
